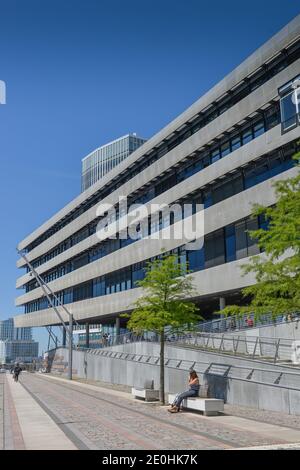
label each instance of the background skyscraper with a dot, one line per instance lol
(102, 160)
(16, 343)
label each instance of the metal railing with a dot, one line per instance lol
(247, 321)
(260, 375)
(220, 325)
(267, 348)
(255, 347)
(290, 123)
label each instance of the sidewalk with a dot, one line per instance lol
(46, 412)
(290, 436)
(27, 425)
(1, 412)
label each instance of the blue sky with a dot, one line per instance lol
(82, 72)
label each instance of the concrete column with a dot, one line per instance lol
(64, 338)
(70, 366)
(222, 303)
(87, 335)
(117, 325)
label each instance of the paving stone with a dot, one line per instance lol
(272, 417)
(1, 411)
(111, 419)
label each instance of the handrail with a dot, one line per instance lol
(207, 366)
(176, 359)
(220, 325)
(150, 337)
(227, 324)
(271, 348)
(132, 337)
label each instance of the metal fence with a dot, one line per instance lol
(231, 325)
(266, 348)
(271, 349)
(245, 322)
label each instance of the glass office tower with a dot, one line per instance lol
(9, 332)
(18, 351)
(16, 344)
(102, 160)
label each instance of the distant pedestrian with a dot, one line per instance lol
(250, 322)
(232, 324)
(105, 339)
(17, 371)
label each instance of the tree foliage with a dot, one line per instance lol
(167, 286)
(164, 303)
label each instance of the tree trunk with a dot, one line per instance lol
(162, 368)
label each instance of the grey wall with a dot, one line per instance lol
(235, 390)
(289, 330)
(194, 355)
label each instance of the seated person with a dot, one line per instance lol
(192, 392)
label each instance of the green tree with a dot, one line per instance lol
(164, 303)
(277, 288)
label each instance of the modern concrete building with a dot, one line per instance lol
(102, 160)
(225, 151)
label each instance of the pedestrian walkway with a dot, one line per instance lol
(1, 412)
(26, 425)
(46, 412)
(275, 447)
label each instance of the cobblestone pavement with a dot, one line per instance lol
(98, 383)
(275, 447)
(12, 438)
(272, 417)
(104, 419)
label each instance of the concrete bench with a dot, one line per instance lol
(209, 406)
(146, 392)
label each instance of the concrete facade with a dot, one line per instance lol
(288, 34)
(216, 281)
